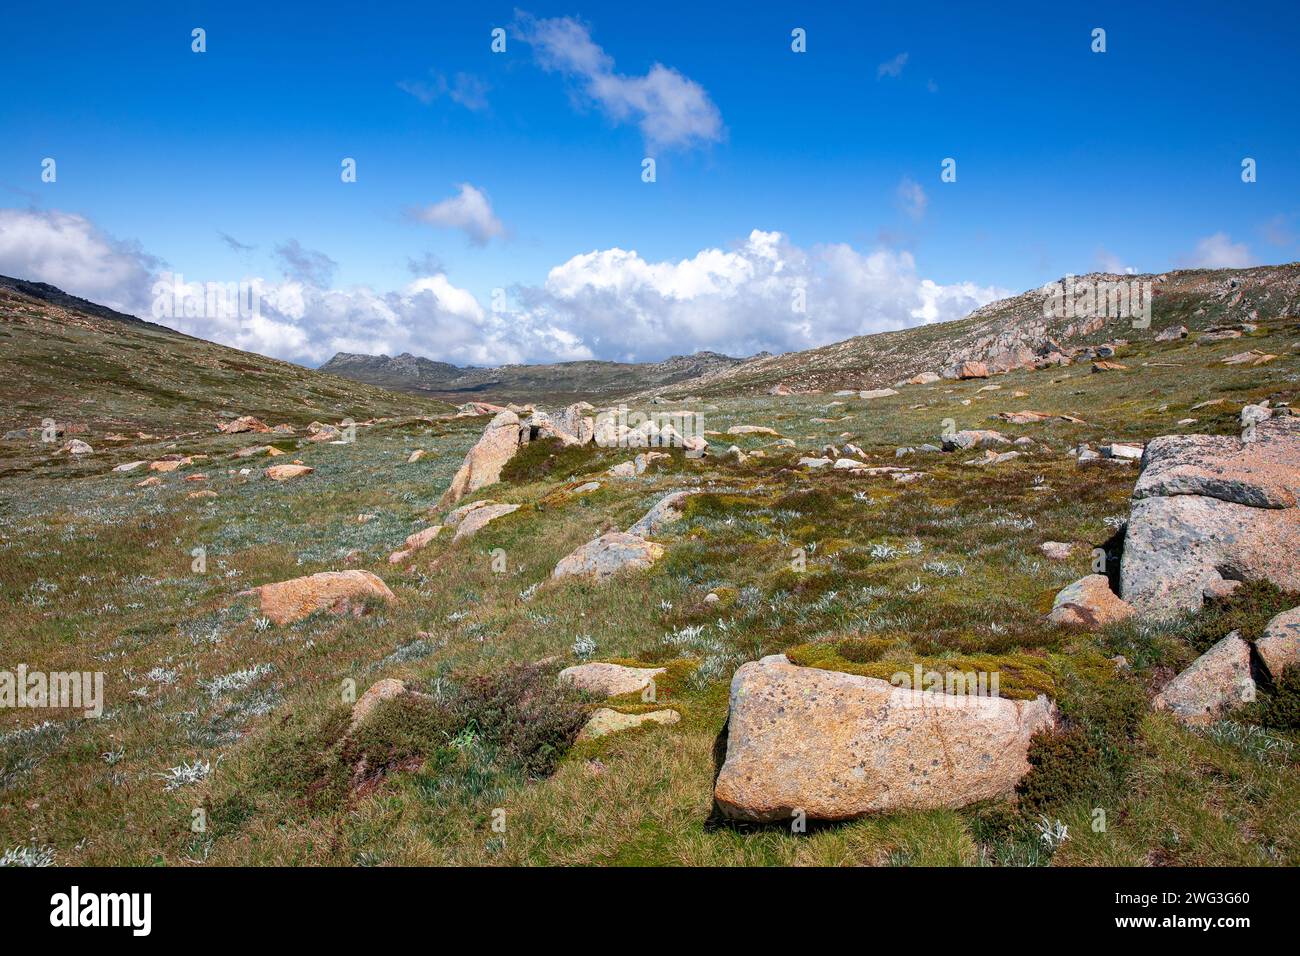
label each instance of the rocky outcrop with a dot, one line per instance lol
(1209, 507)
(483, 463)
(1216, 683)
(837, 746)
(609, 554)
(1089, 602)
(338, 592)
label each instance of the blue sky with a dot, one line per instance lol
(1067, 160)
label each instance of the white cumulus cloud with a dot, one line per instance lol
(469, 210)
(67, 250)
(760, 293)
(671, 110)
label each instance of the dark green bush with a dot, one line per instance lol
(1063, 766)
(523, 712)
(1281, 708)
(549, 458)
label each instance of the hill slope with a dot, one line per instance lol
(556, 383)
(71, 360)
(1010, 331)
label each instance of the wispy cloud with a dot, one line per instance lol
(670, 109)
(912, 198)
(469, 210)
(234, 244)
(892, 67)
(1218, 251)
(305, 265)
(466, 89)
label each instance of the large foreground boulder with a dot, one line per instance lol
(838, 746)
(483, 463)
(609, 554)
(336, 591)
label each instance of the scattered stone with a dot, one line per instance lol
(972, 370)
(415, 456)
(149, 482)
(1218, 681)
(586, 488)
(269, 450)
(1089, 602)
(751, 430)
(1056, 550)
(1279, 646)
(377, 693)
(1108, 367)
(924, 378)
(779, 389)
(130, 466)
(205, 493)
(990, 457)
(626, 469)
(338, 592)
(665, 511)
(246, 423)
(838, 746)
(479, 518)
(814, 462)
(1127, 451)
(1172, 334)
(609, 680)
(169, 463)
(285, 472)
(609, 554)
(607, 721)
(973, 438)
(877, 393)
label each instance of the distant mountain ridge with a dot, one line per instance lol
(558, 381)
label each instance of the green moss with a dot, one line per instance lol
(550, 458)
(1021, 676)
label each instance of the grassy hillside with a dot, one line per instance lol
(558, 383)
(1195, 298)
(116, 374)
(211, 707)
